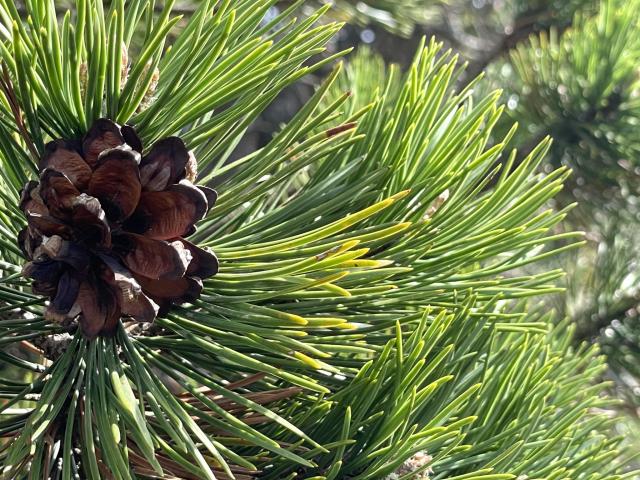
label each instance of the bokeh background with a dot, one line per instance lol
(569, 69)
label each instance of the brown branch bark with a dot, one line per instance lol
(508, 43)
(588, 331)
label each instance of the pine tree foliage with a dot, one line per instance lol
(582, 86)
(366, 312)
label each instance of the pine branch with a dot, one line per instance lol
(521, 32)
(365, 308)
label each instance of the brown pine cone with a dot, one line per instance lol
(106, 227)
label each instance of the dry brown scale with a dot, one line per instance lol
(106, 228)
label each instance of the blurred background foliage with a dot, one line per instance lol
(568, 69)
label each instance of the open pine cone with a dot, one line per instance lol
(106, 228)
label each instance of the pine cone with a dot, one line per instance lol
(106, 228)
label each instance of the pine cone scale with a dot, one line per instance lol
(165, 292)
(204, 264)
(116, 183)
(165, 164)
(103, 135)
(154, 259)
(171, 213)
(90, 225)
(131, 299)
(63, 158)
(66, 296)
(57, 193)
(47, 225)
